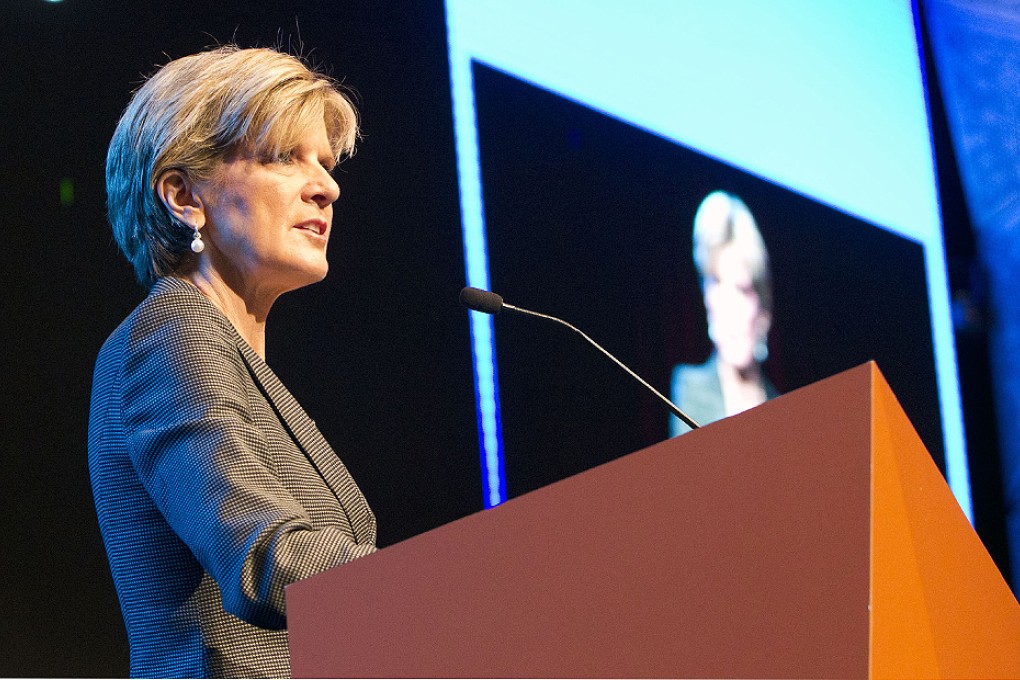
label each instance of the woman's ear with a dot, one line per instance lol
(177, 192)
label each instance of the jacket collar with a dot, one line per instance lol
(301, 427)
(303, 430)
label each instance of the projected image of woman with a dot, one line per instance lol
(736, 281)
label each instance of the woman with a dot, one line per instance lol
(736, 281)
(213, 487)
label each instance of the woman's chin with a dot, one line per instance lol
(314, 267)
(304, 275)
(739, 361)
(315, 275)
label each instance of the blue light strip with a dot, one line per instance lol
(957, 470)
(476, 262)
(957, 466)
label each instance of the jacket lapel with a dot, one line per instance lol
(314, 445)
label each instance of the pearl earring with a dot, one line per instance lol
(197, 245)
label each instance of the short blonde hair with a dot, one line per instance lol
(723, 219)
(189, 116)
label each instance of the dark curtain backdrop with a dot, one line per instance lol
(378, 354)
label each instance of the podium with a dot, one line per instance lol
(810, 537)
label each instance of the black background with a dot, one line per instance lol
(378, 354)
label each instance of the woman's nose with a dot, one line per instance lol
(323, 189)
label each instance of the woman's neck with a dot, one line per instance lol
(742, 389)
(245, 309)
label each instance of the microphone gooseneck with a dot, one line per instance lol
(492, 303)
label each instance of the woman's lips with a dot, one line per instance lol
(316, 227)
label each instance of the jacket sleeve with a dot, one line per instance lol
(197, 450)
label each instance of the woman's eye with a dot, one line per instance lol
(283, 157)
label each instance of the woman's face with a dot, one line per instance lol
(736, 320)
(268, 222)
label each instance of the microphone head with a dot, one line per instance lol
(481, 300)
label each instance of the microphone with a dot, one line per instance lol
(481, 300)
(487, 302)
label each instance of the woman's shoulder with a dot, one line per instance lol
(177, 305)
(174, 320)
(696, 373)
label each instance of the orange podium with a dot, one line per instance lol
(811, 537)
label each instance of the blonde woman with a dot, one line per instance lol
(213, 487)
(736, 281)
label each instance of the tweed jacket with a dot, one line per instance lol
(214, 490)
